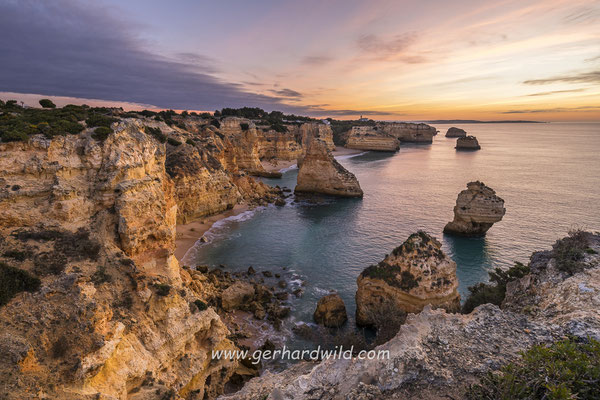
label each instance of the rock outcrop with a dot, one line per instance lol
(321, 173)
(409, 132)
(477, 209)
(331, 311)
(415, 275)
(437, 355)
(368, 138)
(95, 221)
(455, 133)
(467, 143)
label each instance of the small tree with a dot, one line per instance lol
(47, 103)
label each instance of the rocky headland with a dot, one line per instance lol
(467, 143)
(414, 275)
(387, 136)
(477, 209)
(455, 133)
(368, 138)
(438, 355)
(320, 173)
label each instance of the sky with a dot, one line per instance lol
(389, 60)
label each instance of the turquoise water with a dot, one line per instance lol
(548, 175)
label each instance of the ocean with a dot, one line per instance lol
(548, 174)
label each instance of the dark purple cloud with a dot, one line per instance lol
(68, 48)
(583, 77)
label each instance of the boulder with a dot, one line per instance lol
(237, 295)
(321, 173)
(331, 311)
(477, 209)
(456, 132)
(467, 143)
(414, 275)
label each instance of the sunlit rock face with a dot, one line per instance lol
(467, 143)
(95, 221)
(477, 209)
(321, 173)
(370, 138)
(414, 275)
(455, 133)
(408, 132)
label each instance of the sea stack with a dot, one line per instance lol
(456, 132)
(331, 311)
(477, 209)
(321, 173)
(467, 143)
(416, 274)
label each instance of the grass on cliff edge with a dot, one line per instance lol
(495, 291)
(14, 280)
(568, 369)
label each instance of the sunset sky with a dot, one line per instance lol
(391, 60)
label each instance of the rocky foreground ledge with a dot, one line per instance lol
(437, 355)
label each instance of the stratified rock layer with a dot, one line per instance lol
(467, 143)
(477, 209)
(409, 132)
(416, 274)
(368, 138)
(455, 133)
(321, 173)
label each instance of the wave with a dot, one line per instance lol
(345, 157)
(290, 168)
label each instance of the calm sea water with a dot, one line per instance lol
(548, 175)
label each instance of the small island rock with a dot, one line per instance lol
(331, 311)
(467, 143)
(416, 274)
(456, 132)
(477, 209)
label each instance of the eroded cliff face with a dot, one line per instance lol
(477, 209)
(437, 355)
(320, 173)
(369, 138)
(114, 315)
(414, 275)
(387, 136)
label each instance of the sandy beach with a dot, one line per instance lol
(188, 234)
(277, 165)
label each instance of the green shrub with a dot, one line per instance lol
(244, 126)
(157, 133)
(47, 103)
(16, 255)
(162, 289)
(569, 252)
(101, 276)
(101, 133)
(100, 120)
(200, 304)
(14, 280)
(215, 123)
(190, 142)
(493, 292)
(173, 142)
(568, 369)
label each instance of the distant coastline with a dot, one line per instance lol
(473, 121)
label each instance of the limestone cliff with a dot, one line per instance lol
(95, 221)
(369, 138)
(321, 173)
(437, 355)
(477, 209)
(409, 132)
(416, 274)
